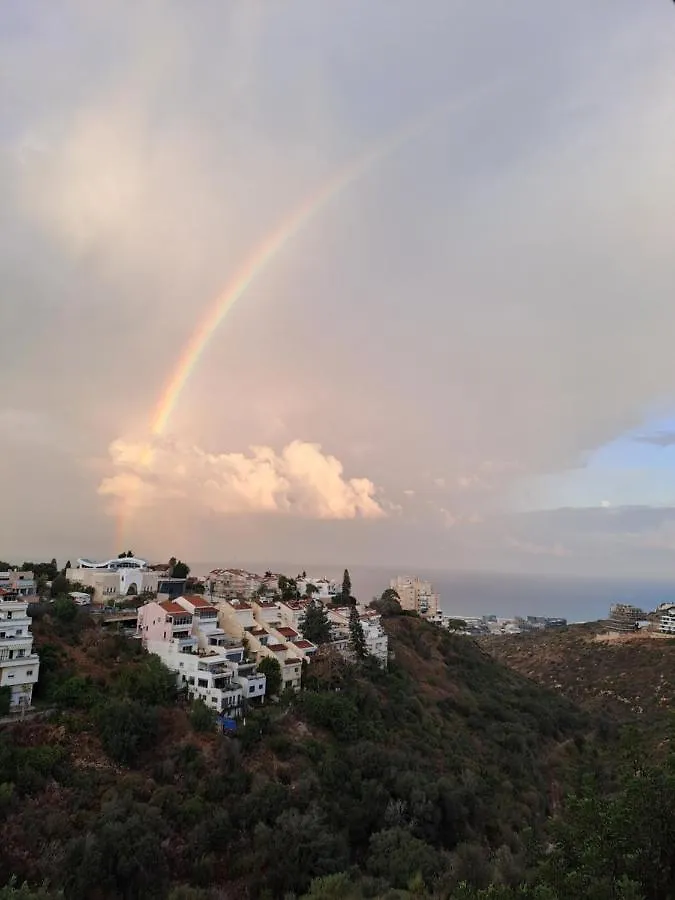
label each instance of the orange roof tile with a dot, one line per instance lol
(173, 608)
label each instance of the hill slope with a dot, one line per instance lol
(631, 678)
(441, 768)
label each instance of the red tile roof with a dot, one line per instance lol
(304, 644)
(287, 632)
(240, 604)
(199, 602)
(292, 661)
(174, 609)
(276, 647)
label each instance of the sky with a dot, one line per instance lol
(463, 357)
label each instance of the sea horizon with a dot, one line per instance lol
(575, 598)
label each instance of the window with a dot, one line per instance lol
(202, 682)
(10, 676)
(29, 673)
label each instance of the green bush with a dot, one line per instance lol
(126, 729)
(202, 718)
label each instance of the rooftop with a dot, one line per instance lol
(173, 608)
(199, 602)
(305, 645)
(287, 632)
(275, 648)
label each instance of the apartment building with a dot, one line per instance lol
(19, 664)
(666, 619)
(416, 595)
(233, 583)
(21, 583)
(186, 636)
(260, 625)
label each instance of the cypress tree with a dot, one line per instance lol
(357, 640)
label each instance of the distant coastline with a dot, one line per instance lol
(577, 599)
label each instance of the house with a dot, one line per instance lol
(19, 664)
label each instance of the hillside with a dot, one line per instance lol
(442, 769)
(628, 678)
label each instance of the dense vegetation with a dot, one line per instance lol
(446, 776)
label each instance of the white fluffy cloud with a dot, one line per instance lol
(301, 480)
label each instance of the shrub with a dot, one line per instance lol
(202, 718)
(126, 728)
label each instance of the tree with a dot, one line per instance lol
(357, 640)
(346, 588)
(180, 570)
(314, 625)
(202, 717)
(457, 625)
(60, 586)
(65, 609)
(389, 604)
(6, 699)
(172, 563)
(270, 668)
(126, 728)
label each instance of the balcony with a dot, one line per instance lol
(213, 668)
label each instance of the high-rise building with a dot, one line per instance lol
(416, 595)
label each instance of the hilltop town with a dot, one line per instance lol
(224, 635)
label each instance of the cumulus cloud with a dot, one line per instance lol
(300, 480)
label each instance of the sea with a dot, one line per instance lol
(576, 599)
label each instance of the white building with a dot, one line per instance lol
(667, 619)
(19, 665)
(262, 634)
(326, 588)
(377, 640)
(115, 578)
(227, 584)
(416, 595)
(185, 634)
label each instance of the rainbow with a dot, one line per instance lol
(264, 253)
(260, 258)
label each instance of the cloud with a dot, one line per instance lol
(556, 550)
(301, 480)
(660, 439)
